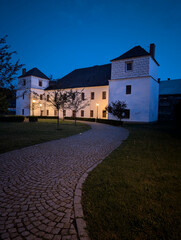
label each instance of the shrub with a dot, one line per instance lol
(106, 121)
(11, 118)
(47, 117)
(33, 119)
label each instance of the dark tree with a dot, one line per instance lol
(58, 99)
(117, 109)
(8, 70)
(76, 101)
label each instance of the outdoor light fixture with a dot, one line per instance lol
(34, 101)
(40, 105)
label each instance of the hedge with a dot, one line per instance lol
(11, 118)
(33, 119)
(106, 121)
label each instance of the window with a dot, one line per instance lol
(48, 98)
(83, 96)
(23, 96)
(82, 113)
(55, 112)
(103, 95)
(64, 113)
(41, 97)
(41, 113)
(103, 113)
(129, 66)
(92, 95)
(73, 113)
(91, 113)
(24, 82)
(128, 89)
(47, 112)
(126, 113)
(23, 111)
(40, 83)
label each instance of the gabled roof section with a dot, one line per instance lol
(137, 51)
(134, 52)
(36, 73)
(170, 87)
(85, 77)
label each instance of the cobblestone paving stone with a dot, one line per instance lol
(37, 183)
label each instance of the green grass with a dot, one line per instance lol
(135, 192)
(19, 135)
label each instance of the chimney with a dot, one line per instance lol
(168, 79)
(152, 50)
(23, 71)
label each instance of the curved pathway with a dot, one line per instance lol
(37, 183)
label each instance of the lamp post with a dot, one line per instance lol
(40, 108)
(97, 104)
(33, 107)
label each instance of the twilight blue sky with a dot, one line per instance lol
(58, 36)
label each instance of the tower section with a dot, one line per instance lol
(134, 81)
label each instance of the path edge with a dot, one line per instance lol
(78, 210)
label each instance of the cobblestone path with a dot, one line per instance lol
(37, 183)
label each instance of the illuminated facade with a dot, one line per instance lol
(132, 78)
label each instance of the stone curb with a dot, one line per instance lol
(78, 211)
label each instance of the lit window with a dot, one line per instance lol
(103, 113)
(73, 113)
(128, 89)
(103, 95)
(91, 113)
(82, 113)
(129, 66)
(92, 95)
(40, 83)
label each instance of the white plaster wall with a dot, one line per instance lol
(97, 99)
(140, 68)
(153, 69)
(154, 99)
(28, 82)
(22, 103)
(35, 82)
(138, 101)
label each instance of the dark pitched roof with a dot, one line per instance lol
(170, 87)
(35, 72)
(85, 77)
(137, 51)
(134, 52)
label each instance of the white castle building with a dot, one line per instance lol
(132, 77)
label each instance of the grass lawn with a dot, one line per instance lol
(135, 192)
(19, 135)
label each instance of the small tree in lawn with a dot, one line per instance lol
(58, 100)
(117, 109)
(76, 101)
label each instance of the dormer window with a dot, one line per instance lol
(129, 66)
(40, 83)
